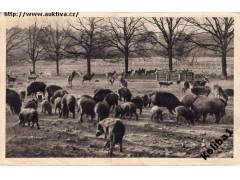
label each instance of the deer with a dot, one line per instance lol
(87, 77)
(71, 77)
(11, 79)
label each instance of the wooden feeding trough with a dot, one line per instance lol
(184, 75)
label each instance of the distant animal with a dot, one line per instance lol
(22, 95)
(123, 82)
(57, 104)
(13, 100)
(203, 106)
(140, 71)
(31, 72)
(178, 82)
(165, 99)
(125, 94)
(110, 74)
(150, 72)
(218, 91)
(58, 93)
(51, 89)
(120, 78)
(186, 86)
(33, 77)
(114, 131)
(68, 104)
(32, 104)
(183, 111)
(229, 92)
(156, 113)
(71, 77)
(11, 79)
(28, 115)
(87, 77)
(86, 106)
(138, 101)
(102, 110)
(100, 94)
(35, 87)
(46, 107)
(165, 83)
(111, 80)
(201, 90)
(128, 73)
(126, 109)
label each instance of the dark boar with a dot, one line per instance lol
(51, 90)
(100, 94)
(35, 87)
(126, 109)
(138, 101)
(188, 100)
(46, 107)
(182, 111)
(201, 90)
(102, 110)
(114, 130)
(58, 93)
(32, 104)
(165, 99)
(146, 100)
(29, 115)
(68, 104)
(112, 99)
(57, 104)
(125, 94)
(13, 100)
(86, 106)
(203, 106)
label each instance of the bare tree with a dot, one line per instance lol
(14, 40)
(54, 43)
(127, 35)
(85, 38)
(219, 32)
(34, 47)
(168, 31)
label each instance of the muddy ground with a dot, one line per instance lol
(67, 138)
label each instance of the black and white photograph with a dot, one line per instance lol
(119, 86)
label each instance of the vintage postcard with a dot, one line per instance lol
(119, 88)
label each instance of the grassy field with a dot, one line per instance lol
(67, 138)
(209, 65)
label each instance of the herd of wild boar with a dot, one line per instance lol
(196, 103)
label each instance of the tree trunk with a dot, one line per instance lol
(34, 66)
(57, 66)
(224, 64)
(88, 65)
(126, 60)
(170, 55)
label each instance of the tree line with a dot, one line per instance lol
(123, 37)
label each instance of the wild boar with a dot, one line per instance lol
(114, 131)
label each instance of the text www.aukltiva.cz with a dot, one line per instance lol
(39, 14)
